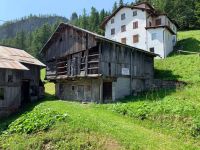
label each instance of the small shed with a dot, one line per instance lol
(19, 79)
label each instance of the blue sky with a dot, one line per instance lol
(14, 9)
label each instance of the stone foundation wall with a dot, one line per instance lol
(167, 84)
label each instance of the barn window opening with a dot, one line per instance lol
(10, 78)
(1, 94)
(61, 88)
(73, 88)
(109, 67)
(61, 39)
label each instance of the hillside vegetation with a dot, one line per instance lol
(164, 119)
(27, 24)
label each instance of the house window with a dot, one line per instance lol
(112, 31)
(1, 94)
(168, 23)
(123, 28)
(136, 38)
(153, 36)
(158, 21)
(152, 49)
(134, 13)
(123, 16)
(123, 40)
(135, 25)
(112, 21)
(10, 78)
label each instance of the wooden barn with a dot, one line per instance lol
(89, 67)
(19, 79)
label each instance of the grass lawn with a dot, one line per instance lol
(165, 119)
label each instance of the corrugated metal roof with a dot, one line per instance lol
(12, 58)
(8, 63)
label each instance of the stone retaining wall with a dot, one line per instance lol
(167, 84)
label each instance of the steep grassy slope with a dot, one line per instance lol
(165, 119)
(189, 40)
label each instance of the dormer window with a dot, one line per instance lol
(112, 20)
(123, 16)
(134, 13)
(158, 21)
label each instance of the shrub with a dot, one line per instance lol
(36, 120)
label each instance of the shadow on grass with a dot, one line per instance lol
(165, 75)
(189, 44)
(5, 122)
(154, 95)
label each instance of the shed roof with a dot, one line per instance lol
(13, 58)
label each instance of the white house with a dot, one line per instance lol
(142, 27)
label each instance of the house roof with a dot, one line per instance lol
(166, 27)
(97, 36)
(142, 6)
(13, 58)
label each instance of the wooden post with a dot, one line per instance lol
(101, 90)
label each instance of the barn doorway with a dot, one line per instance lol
(81, 92)
(25, 93)
(107, 90)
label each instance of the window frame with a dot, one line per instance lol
(158, 22)
(123, 28)
(134, 13)
(123, 40)
(136, 38)
(112, 21)
(135, 24)
(112, 31)
(123, 16)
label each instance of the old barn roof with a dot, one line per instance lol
(97, 36)
(12, 58)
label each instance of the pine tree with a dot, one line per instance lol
(121, 2)
(114, 6)
(74, 17)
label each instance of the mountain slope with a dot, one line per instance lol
(27, 24)
(164, 119)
